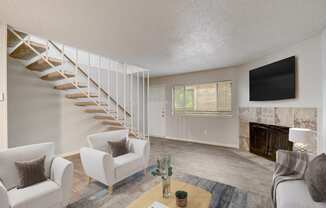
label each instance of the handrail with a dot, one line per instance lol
(92, 80)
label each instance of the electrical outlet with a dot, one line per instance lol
(205, 132)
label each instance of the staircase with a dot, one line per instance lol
(113, 92)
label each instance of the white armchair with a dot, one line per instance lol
(52, 193)
(101, 166)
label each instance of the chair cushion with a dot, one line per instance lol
(117, 148)
(127, 164)
(99, 141)
(295, 194)
(8, 171)
(315, 178)
(45, 194)
(31, 172)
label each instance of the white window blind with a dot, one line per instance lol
(210, 98)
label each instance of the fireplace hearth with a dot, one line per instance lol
(265, 140)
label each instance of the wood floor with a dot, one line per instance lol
(240, 169)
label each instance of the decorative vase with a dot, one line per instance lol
(164, 170)
(181, 202)
(166, 186)
(181, 198)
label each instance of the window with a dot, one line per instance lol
(210, 98)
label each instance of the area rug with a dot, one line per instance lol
(223, 196)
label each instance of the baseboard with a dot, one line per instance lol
(67, 154)
(200, 142)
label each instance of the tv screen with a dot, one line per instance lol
(274, 81)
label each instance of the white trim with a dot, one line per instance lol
(199, 142)
(67, 154)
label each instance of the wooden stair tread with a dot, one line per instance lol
(80, 95)
(95, 110)
(24, 52)
(54, 76)
(111, 122)
(68, 86)
(132, 134)
(112, 128)
(41, 65)
(103, 117)
(13, 40)
(88, 103)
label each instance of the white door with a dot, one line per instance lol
(157, 111)
(3, 87)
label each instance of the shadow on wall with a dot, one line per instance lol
(37, 113)
(33, 108)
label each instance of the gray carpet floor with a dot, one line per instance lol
(223, 196)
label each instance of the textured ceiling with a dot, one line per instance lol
(171, 36)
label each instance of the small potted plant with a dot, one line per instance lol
(181, 198)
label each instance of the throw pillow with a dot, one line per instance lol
(118, 148)
(30, 172)
(315, 178)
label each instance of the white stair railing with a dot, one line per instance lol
(118, 75)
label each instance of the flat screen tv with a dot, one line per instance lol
(274, 81)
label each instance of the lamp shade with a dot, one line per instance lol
(300, 135)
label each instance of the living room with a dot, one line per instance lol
(219, 105)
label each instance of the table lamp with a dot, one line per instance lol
(301, 138)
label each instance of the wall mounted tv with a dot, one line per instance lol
(274, 81)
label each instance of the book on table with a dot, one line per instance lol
(157, 205)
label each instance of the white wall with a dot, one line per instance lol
(214, 130)
(308, 65)
(324, 89)
(224, 131)
(309, 78)
(3, 87)
(38, 113)
(34, 114)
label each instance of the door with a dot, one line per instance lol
(3, 87)
(157, 111)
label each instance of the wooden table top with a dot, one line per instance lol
(197, 197)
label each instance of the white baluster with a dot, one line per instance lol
(138, 116)
(108, 84)
(116, 91)
(124, 94)
(89, 75)
(99, 80)
(143, 104)
(47, 49)
(76, 67)
(63, 58)
(131, 103)
(147, 105)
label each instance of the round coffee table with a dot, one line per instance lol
(197, 197)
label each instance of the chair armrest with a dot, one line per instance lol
(62, 174)
(98, 165)
(3, 196)
(140, 147)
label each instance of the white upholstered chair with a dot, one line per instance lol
(101, 166)
(52, 193)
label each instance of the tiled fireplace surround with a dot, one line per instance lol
(279, 116)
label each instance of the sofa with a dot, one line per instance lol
(53, 193)
(101, 166)
(295, 194)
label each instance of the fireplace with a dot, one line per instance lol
(265, 140)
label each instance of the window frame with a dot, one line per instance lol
(201, 113)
